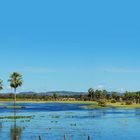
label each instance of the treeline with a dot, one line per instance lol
(127, 97)
(92, 95)
(38, 96)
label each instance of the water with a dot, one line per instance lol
(51, 121)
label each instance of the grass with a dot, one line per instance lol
(15, 117)
(73, 102)
(120, 105)
(39, 101)
(17, 107)
(113, 105)
(55, 116)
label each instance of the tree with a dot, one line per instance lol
(55, 96)
(91, 93)
(99, 94)
(1, 84)
(15, 82)
(115, 96)
(104, 94)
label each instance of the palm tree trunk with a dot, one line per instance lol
(15, 96)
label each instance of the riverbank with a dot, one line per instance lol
(41, 101)
(113, 105)
(88, 104)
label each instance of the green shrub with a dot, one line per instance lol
(102, 103)
(128, 102)
(122, 103)
(113, 101)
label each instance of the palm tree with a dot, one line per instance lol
(1, 84)
(15, 82)
(91, 93)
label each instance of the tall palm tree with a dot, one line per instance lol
(91, 93)
(1, 84)
(15, 82)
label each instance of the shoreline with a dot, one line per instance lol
(88, 104)
(36, 101)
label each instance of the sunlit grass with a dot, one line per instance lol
(17, 107)
(15, 117)
(113, 105)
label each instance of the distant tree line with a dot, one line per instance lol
(127, 97)
(92, 95)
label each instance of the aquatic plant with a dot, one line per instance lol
(18, 107)
(15, 117)
(55, 116)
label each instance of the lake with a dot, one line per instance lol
(51, 121)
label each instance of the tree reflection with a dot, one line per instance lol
(16, 132)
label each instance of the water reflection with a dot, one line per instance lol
(16, 132)
(99, 124)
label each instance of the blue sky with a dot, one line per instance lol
(71, 45)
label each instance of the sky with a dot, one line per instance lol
(71, 44)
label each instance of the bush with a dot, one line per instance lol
(122, 103)
(113, 101)
(128, 102)
(102, 103)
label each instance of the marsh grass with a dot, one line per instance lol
(55, 116)
(15, 117)
(112, 105)
(17, 107)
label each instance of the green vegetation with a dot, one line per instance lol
(123, 105)
(112, 105)
(55, 96)
(55, 117)
(102, 103)
(15, 82)
(1, 84)
(114, 99)
(15, 117)
(17, 107)
(128, 102)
